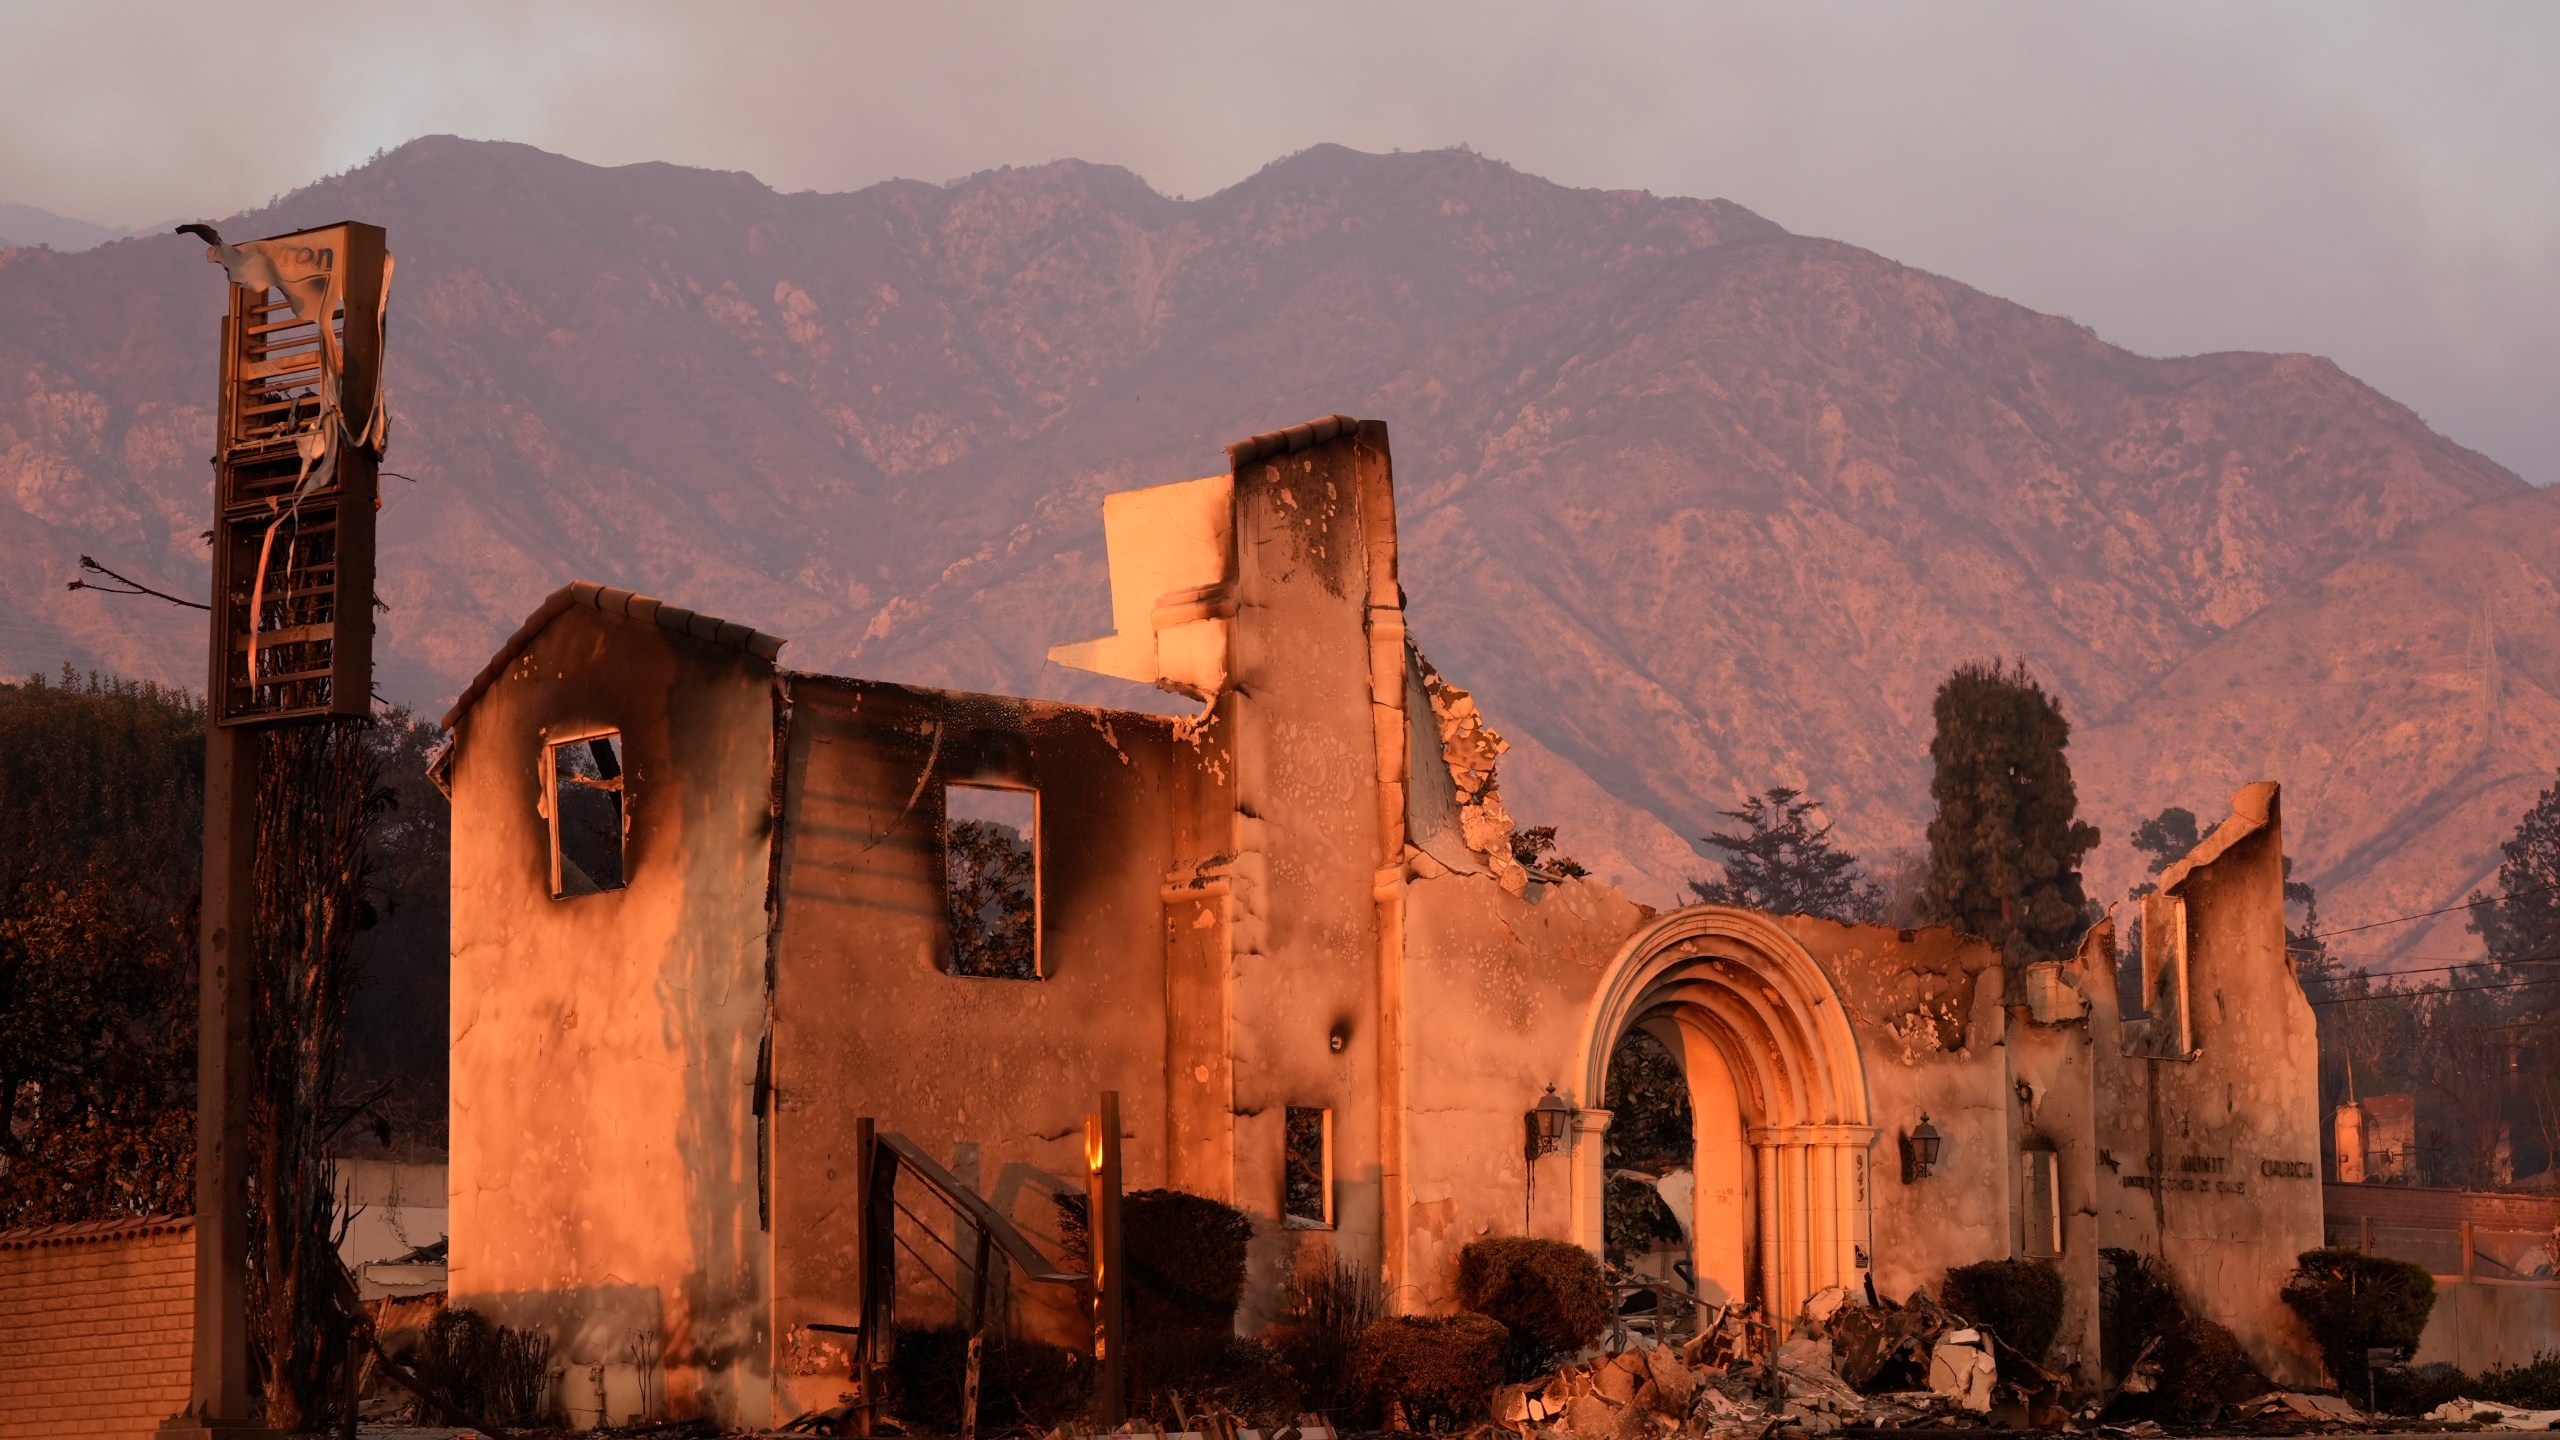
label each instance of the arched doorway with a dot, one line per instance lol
(1778, 1095)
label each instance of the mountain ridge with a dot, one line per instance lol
(1694, 504)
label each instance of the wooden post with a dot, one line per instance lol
(866, 1380)
(1102, 1219)
(977, 1340)
(218, 1401)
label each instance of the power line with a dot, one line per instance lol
(2429, 914)
(2427, 994)
(2486, 960)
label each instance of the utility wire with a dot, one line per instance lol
(2425, 994)
(2429, 914)
(2465, 965)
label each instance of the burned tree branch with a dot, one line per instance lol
(132, 586)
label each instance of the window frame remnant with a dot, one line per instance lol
(1306, 1167)
(2040, 1202)
(556, 790)
(963, 957)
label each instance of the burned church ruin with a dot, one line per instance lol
(711, 914)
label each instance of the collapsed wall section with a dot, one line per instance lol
(2208, 1119)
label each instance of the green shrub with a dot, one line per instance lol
(2352, 1301)
(1320, 1322)
(2018, 1300)
(493, 1374)
(1021, 1383)
(1548, 1295)
(2527, 1387)
(1441, 1369)
(2421, 1388)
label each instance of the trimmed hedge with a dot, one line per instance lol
(2352, 1301)
(1442, 1369)
(1185, 1253)
(2018, 1300)
(1548, 1295)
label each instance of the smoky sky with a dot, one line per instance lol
(2379, 184)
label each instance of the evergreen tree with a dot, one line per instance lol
(2005, 848)
(2166, 838)
(2523, 921)
(1784, 861)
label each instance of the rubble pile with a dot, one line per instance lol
(1916, 1365)
(1849, 1365)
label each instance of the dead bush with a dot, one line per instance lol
(1022, 1384)
(1320, 1322)
(2201, 1367)
(1179, 1373)
(2018, 1300)
(494, 1374)
(1438, 1370)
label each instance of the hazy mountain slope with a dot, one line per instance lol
(1693, 503)
(27, 225)
(2410, 698)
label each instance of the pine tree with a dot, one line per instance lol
(2005, 848)
(1783, 861)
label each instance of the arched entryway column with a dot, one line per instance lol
(1740, 988)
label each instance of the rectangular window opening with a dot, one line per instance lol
(991, 880)
(1307, 1203)
(584, 777)
(2041, 1201)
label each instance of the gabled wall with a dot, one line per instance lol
(991, 1076)
(603, 1165)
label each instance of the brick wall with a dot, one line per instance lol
(97, 1327)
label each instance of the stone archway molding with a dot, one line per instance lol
(1738, 978)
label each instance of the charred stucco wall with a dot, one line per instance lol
(992, 1076)
(1996, 1080)
(2210, 1158)
(1308, 841)
(1501, 989)
(1926, 1008)
(604, 1178)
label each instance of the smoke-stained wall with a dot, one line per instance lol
(604, 1046)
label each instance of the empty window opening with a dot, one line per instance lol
(2040, 1194)
(1308, 1173)
(991, 880)
(585, 780)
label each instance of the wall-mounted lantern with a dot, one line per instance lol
(1920, 1150)
(1547, 1121)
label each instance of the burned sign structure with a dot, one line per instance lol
(1289, 931)
(298, 436)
